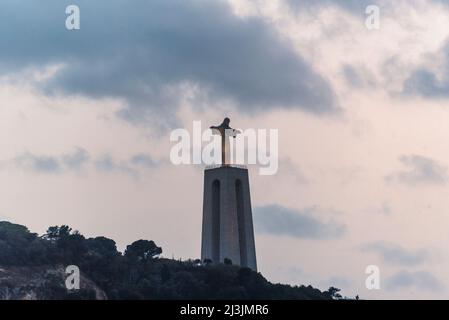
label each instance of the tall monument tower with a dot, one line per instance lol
(227, 217)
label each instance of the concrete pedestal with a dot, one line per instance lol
(227, 217)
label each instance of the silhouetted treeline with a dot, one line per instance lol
(138, 273)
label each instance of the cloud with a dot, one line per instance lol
(353, 6)
(52, 164)
(358, 77)
(395, 254)
(168, 48)
(130, 166)
(77, 159)
(421, 280)
(143, 160)
(44, 164)
(420, 170)
(280, 221)
(108, 164)
(426, 82)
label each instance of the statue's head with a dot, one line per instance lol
(226, 121)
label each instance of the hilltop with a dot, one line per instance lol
(33, 267)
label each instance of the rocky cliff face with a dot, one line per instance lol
(43, 283)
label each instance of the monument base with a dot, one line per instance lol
(227, 217)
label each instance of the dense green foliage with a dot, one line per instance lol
(138, 273)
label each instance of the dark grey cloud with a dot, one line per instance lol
(421, 280)
(53, 164)
(277, 220)
(426, 83)
(352, 77)
(354, 6)
(38, 163)
(397, 255)
(420, 170)
(142, 52)
(446, 2)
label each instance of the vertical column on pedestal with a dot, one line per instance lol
(227, 217)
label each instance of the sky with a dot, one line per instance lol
(362, 116)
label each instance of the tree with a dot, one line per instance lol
(142, 250)
(333, 293)
(227, 261)
(18, 246)
(102, 246)
(55, 232)
(207, 262)
(165, 273)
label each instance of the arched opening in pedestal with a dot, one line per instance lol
(216, 221)
(241, 222)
